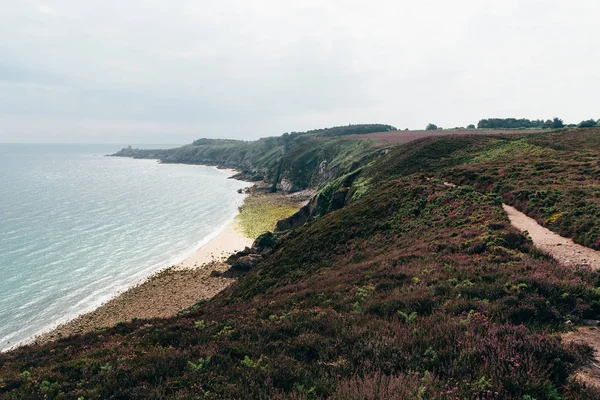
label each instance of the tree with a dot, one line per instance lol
(471, 126)
(590, 123)
(557, 123)
(431, 127)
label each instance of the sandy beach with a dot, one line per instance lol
(182, 285)
(167, 292)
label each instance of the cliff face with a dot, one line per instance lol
(290, 163)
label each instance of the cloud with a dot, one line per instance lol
(247, 69)
(45, 10)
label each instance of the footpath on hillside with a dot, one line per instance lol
(564, 250)
(571, 254)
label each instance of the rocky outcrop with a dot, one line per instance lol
(245, 260)
(298, 219)
(245, 263)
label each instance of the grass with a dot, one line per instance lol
(510, 149)
(260, 213)
(553, 177)
(409, 289)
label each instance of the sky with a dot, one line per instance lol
(171, 71)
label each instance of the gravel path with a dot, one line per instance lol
(562, 249)
(572, 254)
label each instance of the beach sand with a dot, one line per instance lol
(166, 293)
(179, 286)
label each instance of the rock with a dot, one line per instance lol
(266, 251)
(591, 322)
(267, 239)
(297, 219)
(246, 263)
(234, 257)
(287, 185)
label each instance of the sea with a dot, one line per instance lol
(78, 227)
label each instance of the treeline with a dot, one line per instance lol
(523, 123)
(288, 139)
(361, 129)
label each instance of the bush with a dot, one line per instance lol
(590, 123)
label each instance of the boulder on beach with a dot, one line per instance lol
(246, 263)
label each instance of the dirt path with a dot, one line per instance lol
(572, 254)
(562, 249)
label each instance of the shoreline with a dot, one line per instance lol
(181, 277)
(164, 293)
(177, 286)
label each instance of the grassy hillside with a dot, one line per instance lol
(401, 288)
(553, 177)
(292, 162)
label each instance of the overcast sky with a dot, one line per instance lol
(170, 71)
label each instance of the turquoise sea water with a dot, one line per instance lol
(76, 228)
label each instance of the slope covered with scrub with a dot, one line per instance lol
(293, 161)
(410, 289)
(553, 177)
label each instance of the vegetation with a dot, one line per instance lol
(590, 123)
(293, 161)
(260, 213)
(348, 130)
(416, 289)
(398, 287)
(552, 177)
(523, 123)
(431, 127)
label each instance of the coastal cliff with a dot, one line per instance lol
(389, 283)
(291, 162)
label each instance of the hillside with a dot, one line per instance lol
(389, 284)
(300, 160)
(554, 177)
(291, 162)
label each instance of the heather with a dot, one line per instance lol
(415, 290)
(554, 177)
